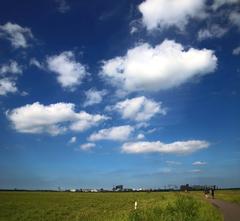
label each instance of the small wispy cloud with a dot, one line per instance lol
(72, 140)
(62, 6)
(9, 73)
(199, 163)
(236, 51)
(140, 136)
(139, 109)
(94, 97)
(87, 146)
(119, 133)
(17, 35)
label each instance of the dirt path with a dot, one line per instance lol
(231, 211)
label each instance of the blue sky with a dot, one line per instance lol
(139, 93)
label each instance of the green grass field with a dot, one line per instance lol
(229, 195)
(60, 206)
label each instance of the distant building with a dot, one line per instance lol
(86, 190)
(185, 188)
(118, 188)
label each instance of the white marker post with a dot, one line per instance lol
(135, 205)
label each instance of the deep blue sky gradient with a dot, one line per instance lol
(204, 109)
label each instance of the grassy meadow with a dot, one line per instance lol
(63, 206)
(229, 195)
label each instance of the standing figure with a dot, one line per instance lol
(212, 192)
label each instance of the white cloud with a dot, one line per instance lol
(12, 67)
(142, 125)
(234, 18)
(72, 140)
(87, 146)
(139, 108)
(62, 6)
(24, 93)
(166, 13)
(157, 68)
(218, 3)
(17, 35)
(199, 163)
(69, 72)
(37, 118)
(214, 31)
(8, 77)
(94, 97)
(178, 147)
(151, 130)
(140, 136)
(85, 121)
(53, 119)
(7, 85)
(133, 30)
(236, 51)
(36, 63)
(119, 133)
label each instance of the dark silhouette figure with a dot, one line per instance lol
(212, 192)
